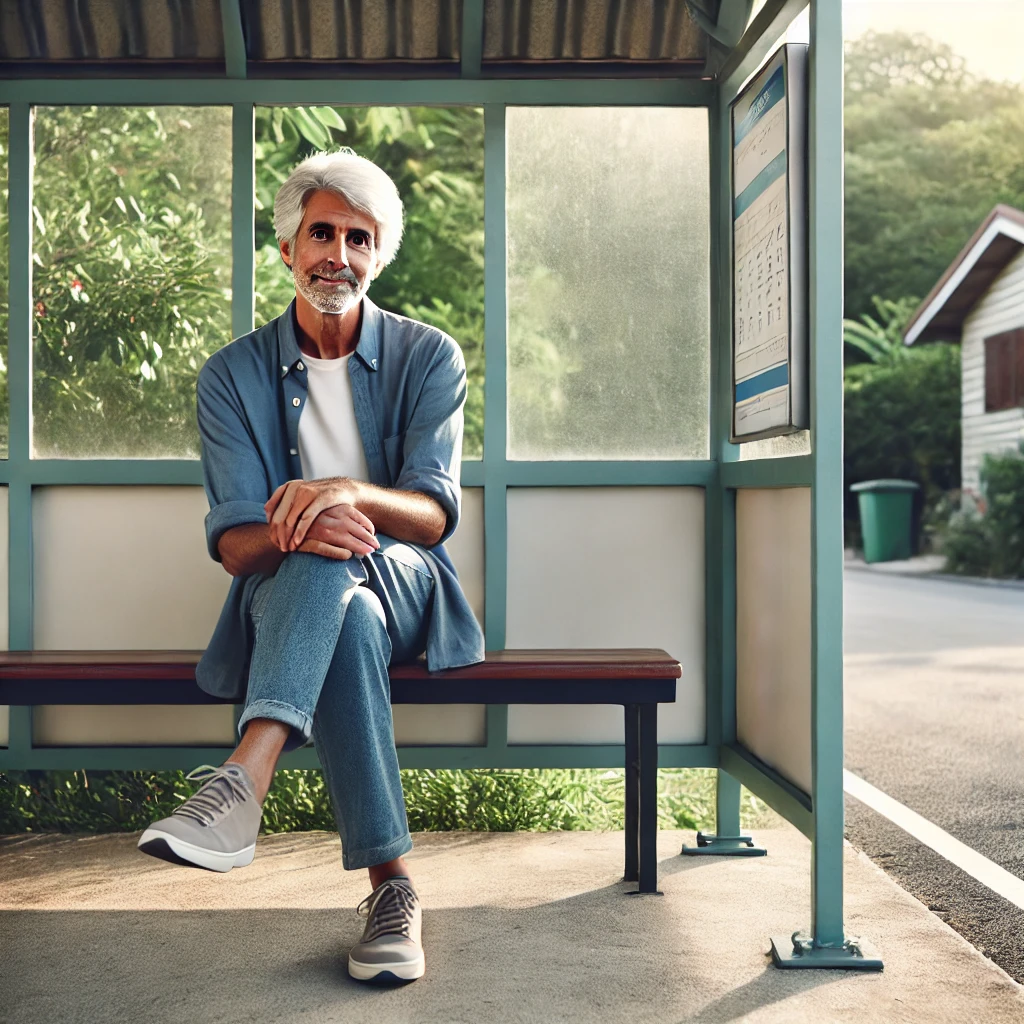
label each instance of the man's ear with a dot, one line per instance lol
(286, 254)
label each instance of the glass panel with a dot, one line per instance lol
(783, 446)
(608, 344)
(132, 277)
(5, 405)
(435, 156)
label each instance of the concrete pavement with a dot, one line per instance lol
(518, 927)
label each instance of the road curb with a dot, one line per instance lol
(981, 581)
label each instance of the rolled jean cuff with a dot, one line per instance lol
(351, 860)
(301, 723)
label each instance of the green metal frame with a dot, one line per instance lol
(818, 814)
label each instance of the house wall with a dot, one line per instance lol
(1000, 309)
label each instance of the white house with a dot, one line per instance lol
(979, 301)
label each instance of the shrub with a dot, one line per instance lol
(903, 422)
(988, 539)
(482, 800)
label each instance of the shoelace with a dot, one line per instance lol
(210, 799)
(391, 908)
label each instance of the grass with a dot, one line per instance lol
(482, 800)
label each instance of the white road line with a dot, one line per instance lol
(980, 868)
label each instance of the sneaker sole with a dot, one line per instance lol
(401, 970)
(157, 843)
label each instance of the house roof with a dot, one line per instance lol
(940, 317)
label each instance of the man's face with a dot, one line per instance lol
(334, 257)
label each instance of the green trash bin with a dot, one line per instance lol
(885, 507)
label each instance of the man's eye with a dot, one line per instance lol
(360, 237)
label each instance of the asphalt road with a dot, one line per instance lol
(935, 718)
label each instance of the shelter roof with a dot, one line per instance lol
(941, 315)
(364, 38)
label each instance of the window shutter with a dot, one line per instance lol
(1000, 386)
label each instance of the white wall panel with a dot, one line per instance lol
(466, 547)
(4, 617)
(124, 568)
(773, 628)
(426, 724)
(143, 725)
(608, 567)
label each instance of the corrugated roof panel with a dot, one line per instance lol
(591, 30)
(133, 31)
(352, 30)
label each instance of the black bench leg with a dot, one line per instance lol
(642, 790)
(632, 793)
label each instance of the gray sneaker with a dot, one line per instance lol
(390, 948)
(216, 827)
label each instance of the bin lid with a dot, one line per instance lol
(886, 485)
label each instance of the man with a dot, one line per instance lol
(331, 449)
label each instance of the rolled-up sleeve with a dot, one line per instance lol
(234, 476)
(432, 450)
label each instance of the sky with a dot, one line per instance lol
(988, 34)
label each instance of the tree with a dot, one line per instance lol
(930, 149)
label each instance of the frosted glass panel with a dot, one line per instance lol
(607, 234)
(608, 567)
(783, 446)
(773, 628)
(124, 568)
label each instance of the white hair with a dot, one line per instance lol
(360, 182)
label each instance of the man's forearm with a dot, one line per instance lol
(404, 515)
(248, 548)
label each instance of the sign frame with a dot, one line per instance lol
(777, 393)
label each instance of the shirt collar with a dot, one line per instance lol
(367, 348)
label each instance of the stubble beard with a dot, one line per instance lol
(328, 299)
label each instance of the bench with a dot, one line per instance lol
(639, 680)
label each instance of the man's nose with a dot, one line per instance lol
(338, 254)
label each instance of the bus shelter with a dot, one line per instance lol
(610, 498)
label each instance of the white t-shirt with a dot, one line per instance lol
(329, 440)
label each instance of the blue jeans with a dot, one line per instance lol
(326, 631)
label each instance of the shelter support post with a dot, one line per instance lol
(826, 945)
(728, 839)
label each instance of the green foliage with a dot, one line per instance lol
(930, 149)
(881, 339)
(481, 800)
(989, 540)
(902, 421)
(435, 157)
(131, 284)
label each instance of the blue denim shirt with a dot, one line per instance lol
(408, 388)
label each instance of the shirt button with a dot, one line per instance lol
(300, 366)
(296, 401)
(294, 451)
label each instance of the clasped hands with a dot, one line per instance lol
(320, 516)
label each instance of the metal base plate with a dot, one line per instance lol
(641, 892)
(724, 846)
(798, 951)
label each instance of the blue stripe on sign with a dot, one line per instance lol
(772, 172)
(774, 91)
(767, 381)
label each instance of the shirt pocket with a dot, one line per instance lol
(393, 454)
